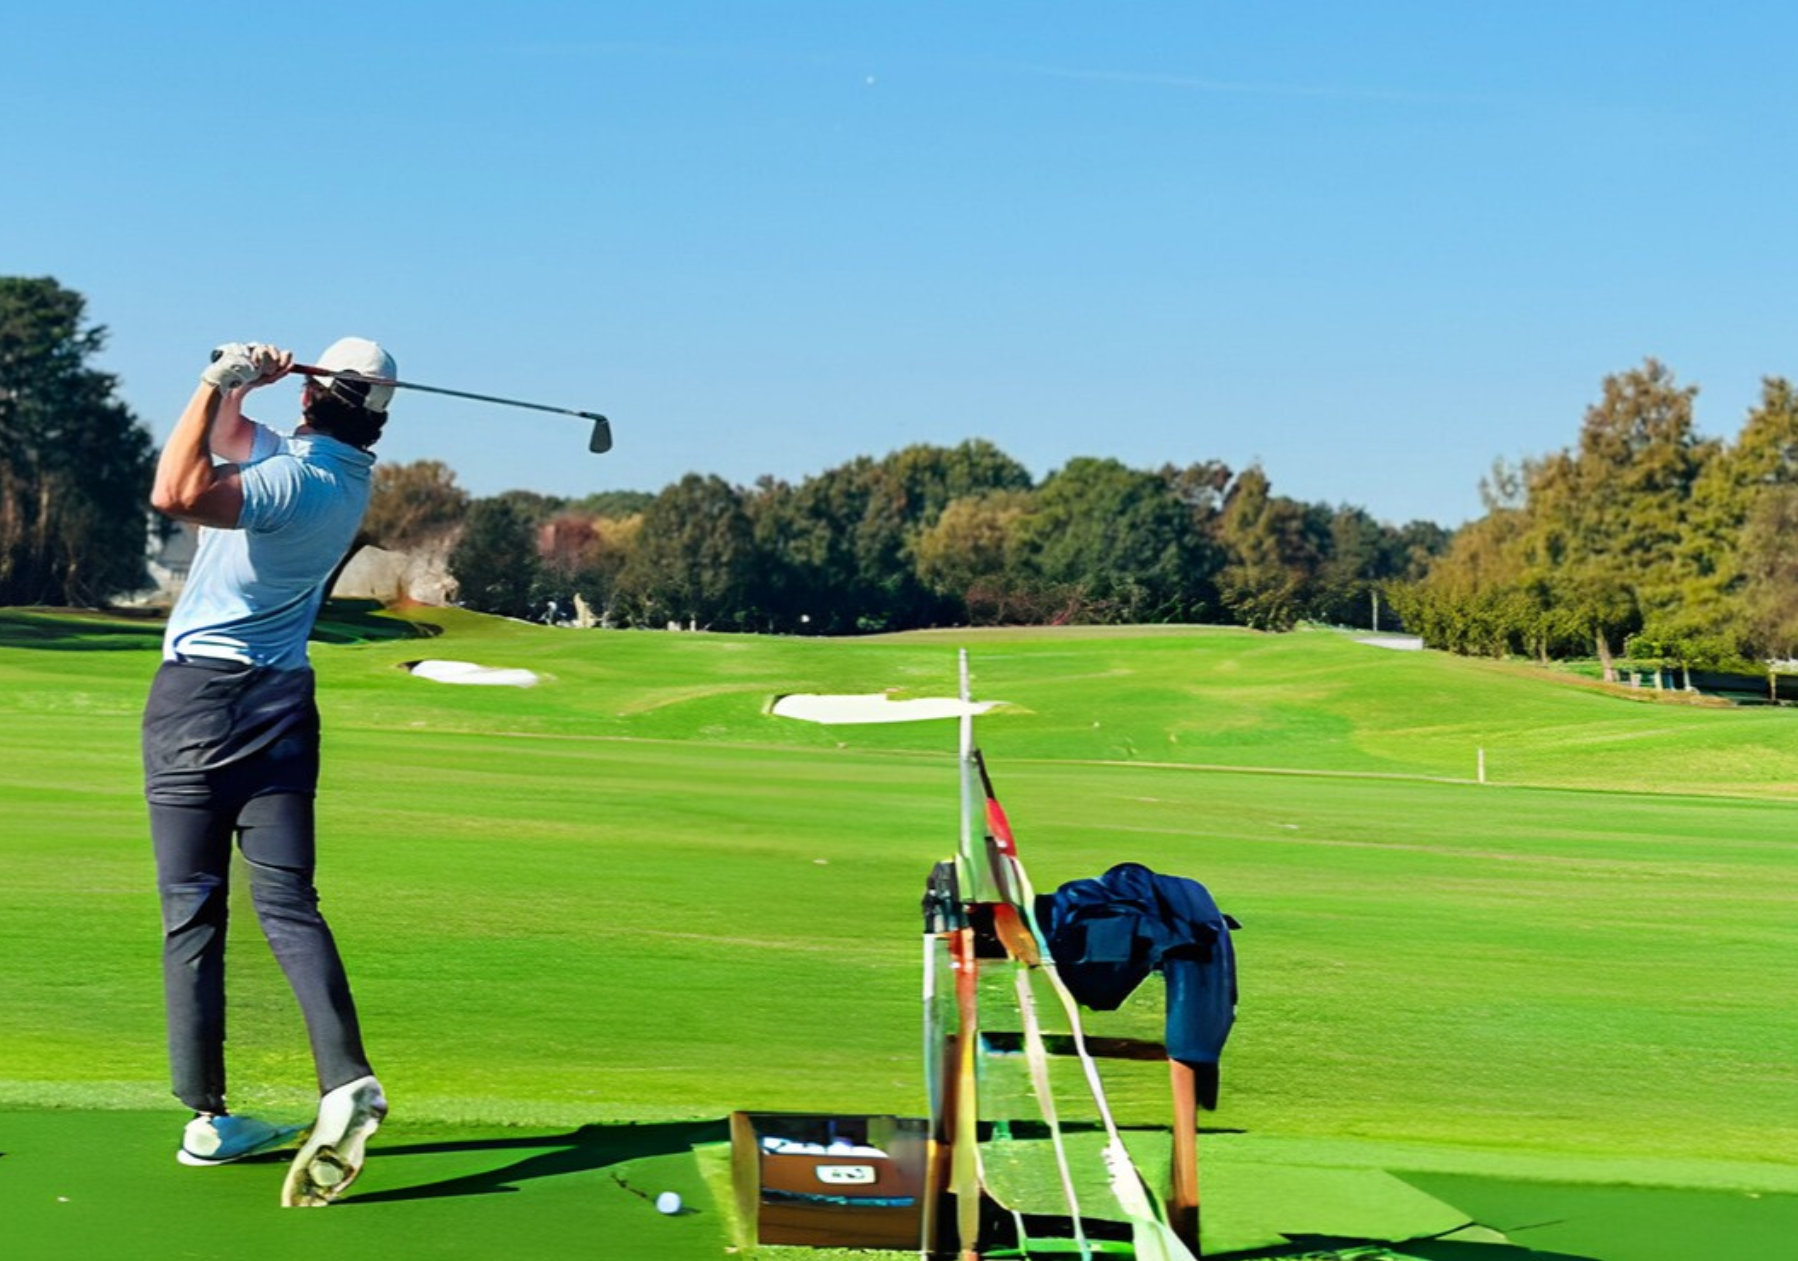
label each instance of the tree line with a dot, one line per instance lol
(924, 536)
(1643, 538)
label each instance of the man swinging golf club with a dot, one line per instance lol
(231, 737)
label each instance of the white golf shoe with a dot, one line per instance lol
(332, 1155)
(219, 1140)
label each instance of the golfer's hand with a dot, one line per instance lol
(237, 365)
(272, 363)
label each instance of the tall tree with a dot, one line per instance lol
(494, 562)
(970, 556)
(1474, 599)
(1118, 534)
(1769, 597)
(413, 504)
(1607, 518)
(695, 559)
(75, 465)
(1203, 487)
(1354, 562)
(908, 492)
(1758, 575)
(1275, 547)
(806, 537)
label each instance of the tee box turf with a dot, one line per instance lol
(828, 1181)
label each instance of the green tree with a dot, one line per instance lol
(533, 506)
(1354, 563)
(1474, 599)
(414, 504)
(1607, 518)
(1118, 535)
(1737, 554)
(615, 505)
(494, 562)
(806, 538)
(1769, 596)
(907, 492)
(1203, 488)
(1413, 548)
(970, 555)
(839, 550)
(1275, 548)
(695, 559)
(75, 465)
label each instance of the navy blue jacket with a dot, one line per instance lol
(1108, 934)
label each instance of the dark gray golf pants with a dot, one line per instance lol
(231, 754)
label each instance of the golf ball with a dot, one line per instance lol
(668, 1202)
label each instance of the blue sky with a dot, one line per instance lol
(1372, 246)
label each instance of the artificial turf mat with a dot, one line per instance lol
(95, 1186)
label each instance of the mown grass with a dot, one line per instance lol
(631, 893)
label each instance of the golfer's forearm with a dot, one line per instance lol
(185, 472)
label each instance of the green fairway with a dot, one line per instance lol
(630, 894)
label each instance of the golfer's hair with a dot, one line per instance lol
(341, 419)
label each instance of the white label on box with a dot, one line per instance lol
(846, 1175)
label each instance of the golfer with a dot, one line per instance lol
(231, 737)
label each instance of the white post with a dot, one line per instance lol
(1482, 764)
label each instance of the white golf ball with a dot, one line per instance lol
(668, 1202)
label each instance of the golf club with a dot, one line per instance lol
(599, 443)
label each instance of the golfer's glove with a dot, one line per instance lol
(231, 367)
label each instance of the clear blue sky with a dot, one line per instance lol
(1372, 245)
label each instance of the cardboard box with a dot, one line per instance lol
(826, 1180)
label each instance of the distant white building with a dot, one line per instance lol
(168, 554)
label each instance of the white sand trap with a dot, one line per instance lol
(875, 708)
(1404, 643)
(469, 672)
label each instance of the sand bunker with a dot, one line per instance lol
(469, 672)
(877, 707)
(1404, 643)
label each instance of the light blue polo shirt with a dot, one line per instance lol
(252, 593)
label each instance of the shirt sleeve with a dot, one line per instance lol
(271, 493)
(264, 442)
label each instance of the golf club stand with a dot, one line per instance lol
(981, 920)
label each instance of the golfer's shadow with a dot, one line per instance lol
(579, 1151)
(1428, 1249)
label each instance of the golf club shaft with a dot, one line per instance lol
(309, 370)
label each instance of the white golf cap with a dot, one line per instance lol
(360, 356)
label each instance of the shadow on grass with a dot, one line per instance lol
(343, 621)
(82, 630)
(1330, 1248)
(78, 630)
(579, 1151)
(1445, 1250)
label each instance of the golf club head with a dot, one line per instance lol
(601, 441)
